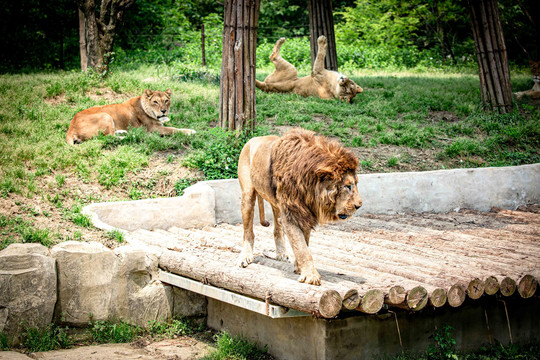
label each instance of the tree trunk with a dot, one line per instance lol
(237, 86)
(321, 22)
(100, 31)
(82, 41)
(493, 67)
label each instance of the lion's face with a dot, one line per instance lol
(348, 200)
(339, 200)
(347, 89)
(156, 104)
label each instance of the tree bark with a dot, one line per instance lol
(493, 67)
(100, 31)
(290, 293)
(82, 41)
(321, 22)
(237, 86)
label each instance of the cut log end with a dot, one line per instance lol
(491, 285)
(372, 302)
(417, 298)
(329, 304)
(475, 289)
(508, 286)
(527, 286)
(456, 295)
(351, 299)
(396, 295)
(438, 297)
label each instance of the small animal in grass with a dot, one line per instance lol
(308, 180)
(149, 110)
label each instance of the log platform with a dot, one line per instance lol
(370, 262)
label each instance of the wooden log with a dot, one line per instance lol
(437, 297)
(417, 298)
(456, 295)
(396, 296)
(372, 302)
(286, 292)
(491, 285)
(475, 289)
(527, 286)
(351, 299)
(508, 286)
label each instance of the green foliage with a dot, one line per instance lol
(175, 327)
(216, 153)
(113, 332)
(116, 235)
(235, 348)
(182, 184)
(49, 338)
(445, 344)
(5, 342)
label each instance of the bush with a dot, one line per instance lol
(217, 153)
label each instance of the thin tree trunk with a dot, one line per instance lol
(321, 22)
(82, 41)
(491, 53)
(237, 86)
(203, 50)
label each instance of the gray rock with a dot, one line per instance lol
(27, 288)
(138, 296)
(85, 282)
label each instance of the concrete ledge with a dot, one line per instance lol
(428, 191)
(215, 201)
(195, 209)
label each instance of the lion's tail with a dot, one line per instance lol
(260, 202)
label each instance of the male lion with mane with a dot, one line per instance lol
(149, 110)
(308, 180)
(323, 83)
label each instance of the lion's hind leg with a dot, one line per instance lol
(281, 250)
(262, 219)
(84, 127)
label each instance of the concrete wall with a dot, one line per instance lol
(210, 202)
(371, 336)
(428, 191)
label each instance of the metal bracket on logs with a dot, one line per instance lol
(245, 302)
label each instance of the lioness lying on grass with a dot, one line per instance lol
(149, 110)
(323, 83)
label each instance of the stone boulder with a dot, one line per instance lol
(85, 282)
(27, 288)
(138, 296)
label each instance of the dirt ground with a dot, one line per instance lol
(184, 348)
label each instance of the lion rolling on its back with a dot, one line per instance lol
(149, 110)
(307, 180)
(323, 83)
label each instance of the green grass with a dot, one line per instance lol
(116, 235)
(435, 112)
(235, 348)
(103, 332)
(51, 337)
(15, 229)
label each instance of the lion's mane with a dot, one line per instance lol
(306, 170)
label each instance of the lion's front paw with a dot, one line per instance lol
(321, 41)
(282, 257)
(245, 260)
(310, 277)
(189, 131)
